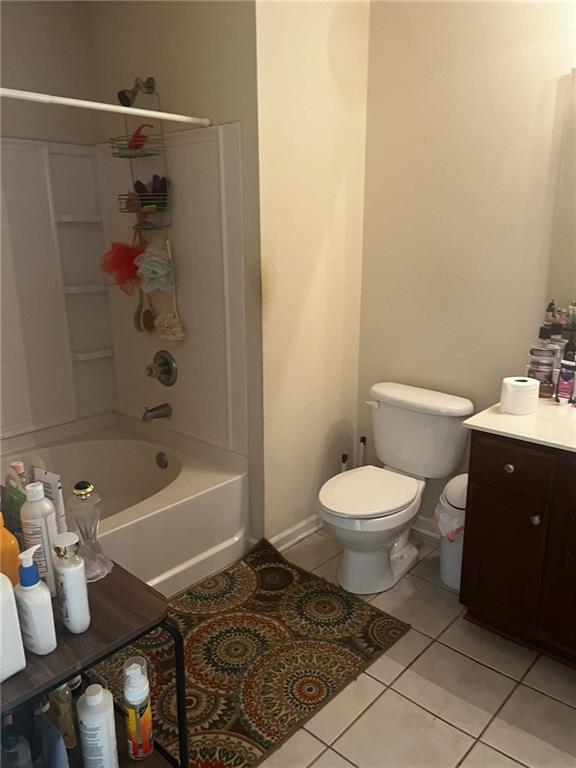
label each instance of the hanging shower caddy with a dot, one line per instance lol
(148, 201)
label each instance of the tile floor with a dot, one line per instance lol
(447, 694)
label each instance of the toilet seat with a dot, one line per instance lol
(368, 492)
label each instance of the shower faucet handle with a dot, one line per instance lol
(163, 368)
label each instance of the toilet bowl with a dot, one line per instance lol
(418, 434)
(370, 510)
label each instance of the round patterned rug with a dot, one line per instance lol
(320, 609)
(221, 649)
(287, 684)
(223, 592)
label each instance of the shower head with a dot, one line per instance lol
(127, 96)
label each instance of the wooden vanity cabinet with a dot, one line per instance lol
(519, 563)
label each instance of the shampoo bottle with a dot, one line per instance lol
(9, 551)
(34, 607)
(137, 709)
(97, 729)
(12, 658)
(38, 520)
(71, 583)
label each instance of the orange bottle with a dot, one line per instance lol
(9, 551)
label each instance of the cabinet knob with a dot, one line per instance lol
(535, 519)
(509, 468)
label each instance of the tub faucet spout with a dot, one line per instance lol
(163, 411)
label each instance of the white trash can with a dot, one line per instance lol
(449, 520)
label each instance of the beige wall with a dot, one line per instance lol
(47, 47)
(562, 274)
(312, 68)
(461, 172)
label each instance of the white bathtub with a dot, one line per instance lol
(170, 526)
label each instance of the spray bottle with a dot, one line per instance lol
(137, 709)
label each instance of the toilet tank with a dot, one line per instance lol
(418, 431)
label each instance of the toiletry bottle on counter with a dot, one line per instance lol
(137, 709)
(541, 367)
(34, 607)
(15, 485)
(12, 658)
(97, 728)
(71, 583)
(9, 551)
(565, 384)
(38, 520)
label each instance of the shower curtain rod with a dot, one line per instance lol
(46, 98)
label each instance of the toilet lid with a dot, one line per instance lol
(368, 492)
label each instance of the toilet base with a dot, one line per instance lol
(365, 573)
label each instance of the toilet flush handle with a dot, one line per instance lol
(373, 403)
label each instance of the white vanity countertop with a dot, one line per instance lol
(552, 424)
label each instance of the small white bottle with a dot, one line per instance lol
(12, 658)
(71, 583)
(97, 729)
(38, 520)
(34, 607)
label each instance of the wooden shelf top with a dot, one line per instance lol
(122, 608)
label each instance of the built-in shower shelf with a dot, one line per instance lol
(74, 290)
(79, 218)
(96, 354)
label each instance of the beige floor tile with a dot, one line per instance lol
(424, 544)
(329, 569)
(395, 733)
(488, 648)
(312, 551)
(554, 678)
(396, 659)
(455, 688)
(299, 751)
(331, 759)
(337, 715)
(535, 729)
(429, 570)
(481, 756)
(427, 607)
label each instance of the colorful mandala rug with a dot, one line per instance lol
(267, 645)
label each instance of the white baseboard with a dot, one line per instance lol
(299, 531)
(424, 526)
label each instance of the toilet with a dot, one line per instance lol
(418, 434)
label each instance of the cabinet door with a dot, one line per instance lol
(558, 616)
(504, 550)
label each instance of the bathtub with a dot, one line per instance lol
(174, 510)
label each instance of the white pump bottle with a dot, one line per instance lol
(34, 607)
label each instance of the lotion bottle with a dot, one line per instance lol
(71, 583)
(38, 519)
(97, 728)
(12, 658)
(34, 607)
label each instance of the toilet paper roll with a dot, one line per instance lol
(519, 395)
